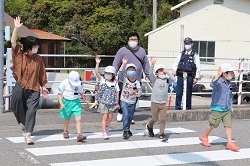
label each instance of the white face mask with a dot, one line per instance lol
(132, 44)
(188, 47)
(162, 76)
(229, 78)
(108, 76)
(34, 50)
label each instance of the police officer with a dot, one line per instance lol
(189, 62)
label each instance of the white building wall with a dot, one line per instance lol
(227, 27)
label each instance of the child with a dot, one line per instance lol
(107, 95)
(221, 105)
(68, 91)
(130, 92)
(160, 80)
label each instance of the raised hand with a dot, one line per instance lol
(219, 73)
(124, 60)
(17, 22)
(97, 59)
(153, 60)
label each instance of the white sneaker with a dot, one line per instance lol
(132, 122)
(119, 117)
(28, 140)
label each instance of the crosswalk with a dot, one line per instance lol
(53, 150)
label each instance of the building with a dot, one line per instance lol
(219, 28)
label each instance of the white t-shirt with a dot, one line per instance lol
(69, 91)
(109, 84)
(129, 91)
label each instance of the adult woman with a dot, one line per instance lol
(29, 72)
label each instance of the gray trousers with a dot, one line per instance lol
(25, 103)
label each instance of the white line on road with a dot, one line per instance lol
(119, 146)
(167, 159)
(41, 138)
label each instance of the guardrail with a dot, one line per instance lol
(240, 81)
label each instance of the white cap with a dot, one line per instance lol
(158, 67)
(110, 69)
(74, 78)
(226, 67)
(130, 65)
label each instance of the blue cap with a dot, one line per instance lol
(188, 40)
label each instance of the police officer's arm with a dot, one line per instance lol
(198, 65)
(176, 62)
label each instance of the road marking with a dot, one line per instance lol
(167, 159)
(41, 138)
(119, 146)
(27, 157)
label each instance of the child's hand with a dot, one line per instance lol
(137, 95)
(87, 101)
(97, 59)
(153, 60)
(117, 106)
(61, 106)
(124, 60)
(219, 72)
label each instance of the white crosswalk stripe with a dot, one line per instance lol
(42, 138)
(125, 145)
(167, 159)
(119, 146)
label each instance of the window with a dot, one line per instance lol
(205, 49)
(218, 1)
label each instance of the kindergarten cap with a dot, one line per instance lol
(156, 68)
(227, 67)
(74, 78)
(110, 69)
(130, 65)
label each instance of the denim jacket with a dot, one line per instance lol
(221, 95)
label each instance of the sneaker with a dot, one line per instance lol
(125, 135)
(80, 138)
(232, 147)
(130, 133)
(204, 140)
(66, 134)
(132, 122)
(105, 136)
(150, 131)
(107, 129)
(119, 117)
(24, 132)
(162, 137)
(28, 140)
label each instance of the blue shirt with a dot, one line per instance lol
(221, 95)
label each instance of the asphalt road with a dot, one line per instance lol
(179, 146)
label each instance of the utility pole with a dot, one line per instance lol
(154, 14)
(1, 54)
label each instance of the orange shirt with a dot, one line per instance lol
(28, 70)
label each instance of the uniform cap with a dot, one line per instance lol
(74, 78)
(188, 40)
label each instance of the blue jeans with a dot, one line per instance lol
(180, 84)
(127, 114)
